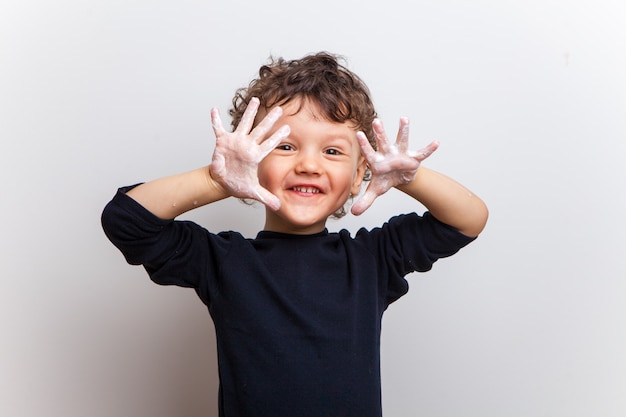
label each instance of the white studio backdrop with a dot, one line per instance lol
(528, 100)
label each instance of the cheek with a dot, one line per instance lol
(264, 173)
(349, 179)
(269, 172)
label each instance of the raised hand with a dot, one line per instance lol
(391, 165)
(237, 155)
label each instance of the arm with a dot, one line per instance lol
(232, 172)
(172, 196)
(447, 200)
(393, 165)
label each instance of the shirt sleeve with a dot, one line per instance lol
(173, 252)
(425, 240)
(422, 240)
(410, 243)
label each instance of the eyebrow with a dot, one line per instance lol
(339, 137)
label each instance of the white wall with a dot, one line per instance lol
(527, 98)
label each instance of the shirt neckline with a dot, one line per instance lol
(268, 234)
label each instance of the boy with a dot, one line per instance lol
(297, 310)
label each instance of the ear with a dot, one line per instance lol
(357, 181)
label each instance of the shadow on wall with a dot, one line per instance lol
(155, 357)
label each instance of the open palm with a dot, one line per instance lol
(237, 154)
(391, 165)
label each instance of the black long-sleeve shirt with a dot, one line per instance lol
(297, 318)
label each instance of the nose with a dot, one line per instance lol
(309, 163)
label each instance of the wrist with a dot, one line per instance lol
(411, 186)
(214, 186)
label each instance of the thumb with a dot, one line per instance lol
(363, 203)
(218, 164)
(267, 198)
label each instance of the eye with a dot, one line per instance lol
(333, 151)
(284, 147)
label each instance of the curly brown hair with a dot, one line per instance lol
(321, 78)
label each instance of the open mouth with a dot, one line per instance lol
(306, 189)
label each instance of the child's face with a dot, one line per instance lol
(313, 172)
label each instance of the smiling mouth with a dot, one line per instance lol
(306, 190)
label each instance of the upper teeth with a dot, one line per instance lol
(307, 189)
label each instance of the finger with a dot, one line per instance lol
(402, 140)
(426, 151)
(260, 132)
(363, 203)
(216, 122)
(381, 136)
(366, 148)
(269, 144)
(247, 120)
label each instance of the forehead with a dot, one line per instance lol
(305, 109)
(308, 116)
